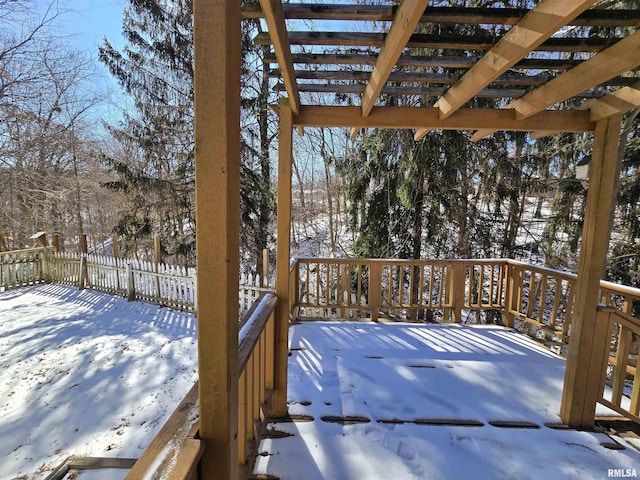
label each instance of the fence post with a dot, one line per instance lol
(375, 289)
(44, 266)
(457, 290)
(116, 255)
(131, 289)
(157, 259)
(83, 271)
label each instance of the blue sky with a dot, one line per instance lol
(89, 21)
(84, 24)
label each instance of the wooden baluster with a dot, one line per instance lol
(260, 359)
(270, 352)
(250, 398)
(543, 294)
(242, 418)
(568, 315)
(620, 370)
(557, 292)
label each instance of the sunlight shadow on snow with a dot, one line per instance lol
(421, 388)
(86, 373)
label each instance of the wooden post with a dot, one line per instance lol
(157, 259)
(514, 286)
(294, 290)
(83, 244)
(83, 271)
(264, 280)
(84, 251)
(585, 357)
(457, 290)
(116, 255)
(217, 141)
(375, 289)
(131, 288)
(45, 272)
(285, 160)
(56, 243)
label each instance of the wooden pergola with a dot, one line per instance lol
(534, 67)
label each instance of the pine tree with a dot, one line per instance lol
(155, 162)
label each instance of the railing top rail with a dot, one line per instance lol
(627, 318)
(252, 324)
(397, 261)
(176, 435)
(540, 268)
(24, 250)
(618, 288)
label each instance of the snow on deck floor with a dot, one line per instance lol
(85, 373)
(398, 380)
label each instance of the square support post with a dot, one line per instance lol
(283, 253)
(586, 355)
(217, 142)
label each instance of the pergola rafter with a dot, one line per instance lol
(404, 23)
(534, 28)
(274, 17)
(621, 57)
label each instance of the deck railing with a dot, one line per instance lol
(396, 289)
(620, 368)
(445, 290)
(176, 450)
(256, 372)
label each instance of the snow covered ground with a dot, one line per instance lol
(407, 401)
(89, 374)
(85, 373)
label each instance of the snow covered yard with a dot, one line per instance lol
(407, 401)
(85, 373)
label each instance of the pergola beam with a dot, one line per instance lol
(509, 79)
(420, 61)
(620, 101)
(471, 16)
(619, 58)
(537, 26)
(454, 42)
(404, 23)
(463, 119)
(274, 16)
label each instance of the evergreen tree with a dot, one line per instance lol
(155, 165)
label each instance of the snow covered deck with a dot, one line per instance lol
(380, 401)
